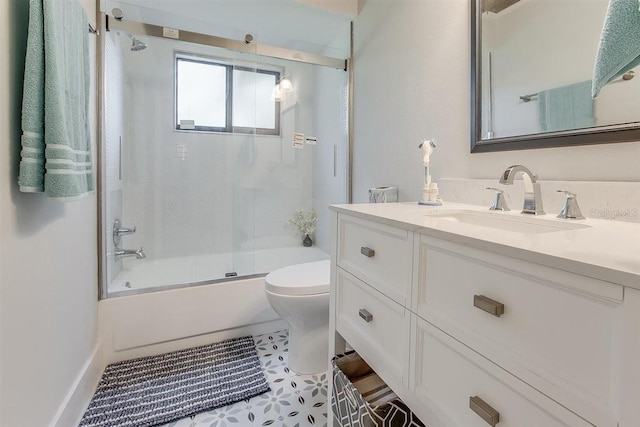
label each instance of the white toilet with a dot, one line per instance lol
(300, 295)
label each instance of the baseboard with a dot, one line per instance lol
(78, 398)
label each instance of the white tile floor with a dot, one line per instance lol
(294, 400)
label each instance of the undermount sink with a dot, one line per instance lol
(504, 222)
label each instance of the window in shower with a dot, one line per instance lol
(220, 97)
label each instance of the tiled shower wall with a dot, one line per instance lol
(227, 192)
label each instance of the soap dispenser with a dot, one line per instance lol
(430, 196)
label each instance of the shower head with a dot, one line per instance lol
(136, 45)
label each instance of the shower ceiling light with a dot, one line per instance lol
(286, 85)
(277, 93)
(281, 88)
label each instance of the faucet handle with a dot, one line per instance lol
(569, 194)
(570, 209)
(499, 202)
(122, 231)
(118, 231)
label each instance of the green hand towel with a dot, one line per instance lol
(67, 136)
(566, 107)
(31, 179)
(619, 49)
(61, 68)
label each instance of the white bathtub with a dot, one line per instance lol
(157, 315)
(146, 275)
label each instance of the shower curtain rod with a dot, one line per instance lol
(625, 77)
(245, 46)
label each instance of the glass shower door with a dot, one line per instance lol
(208, 153)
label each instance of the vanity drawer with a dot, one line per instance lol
(378, 254)
(375, 326)
(531, 320)
(446, 375)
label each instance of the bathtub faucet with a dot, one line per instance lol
(123, 253)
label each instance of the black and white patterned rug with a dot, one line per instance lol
(158, 389)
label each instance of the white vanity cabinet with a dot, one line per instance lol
(451, 327)
(377, 254)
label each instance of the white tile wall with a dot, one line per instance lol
(229, 192)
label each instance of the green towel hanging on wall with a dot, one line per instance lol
(56, 141)
(566, 107)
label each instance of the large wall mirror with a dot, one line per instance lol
(532, 65)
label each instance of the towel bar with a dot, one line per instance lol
(625, 77)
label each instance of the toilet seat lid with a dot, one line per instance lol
(300, 279)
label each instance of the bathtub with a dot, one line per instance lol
(150, 275)
(168, 309)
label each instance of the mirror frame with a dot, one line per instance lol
(587, 136)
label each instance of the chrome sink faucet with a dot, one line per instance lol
(532, 195)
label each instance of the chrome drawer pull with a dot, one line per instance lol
(487, 304)
(368, 252)
(368, 317)
(486, 412)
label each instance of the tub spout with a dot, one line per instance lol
(123, 253)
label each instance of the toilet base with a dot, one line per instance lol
(309, 350)
(308, 320)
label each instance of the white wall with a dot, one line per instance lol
(48, 266)
(412, 80)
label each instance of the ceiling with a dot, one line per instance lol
(305, 25)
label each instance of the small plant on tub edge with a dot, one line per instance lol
(306, 224)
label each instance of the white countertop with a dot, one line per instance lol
(605, 250)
